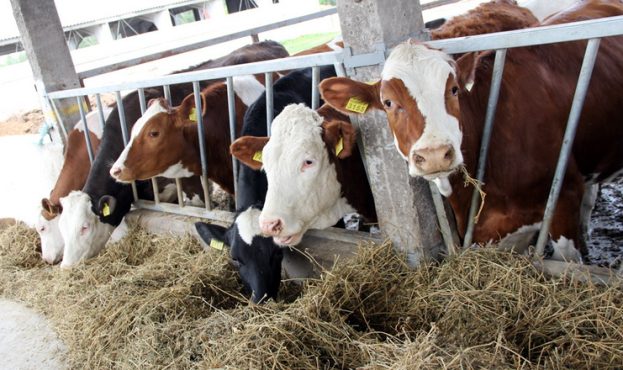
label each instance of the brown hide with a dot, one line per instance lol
(494, 16)
(324, 48)
(178, 140)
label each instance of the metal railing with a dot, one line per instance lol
(593, 30)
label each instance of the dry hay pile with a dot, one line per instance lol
(155, 302)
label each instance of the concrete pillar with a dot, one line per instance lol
(161, 19)
(102, 33)
(48, 54)
(404, 205)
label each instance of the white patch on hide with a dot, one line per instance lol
(302, 199)
(176, 170)
(93, 122)
(85, 236)
(425, 72)
(248, 89)
(249, 225)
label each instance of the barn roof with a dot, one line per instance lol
(83, 13)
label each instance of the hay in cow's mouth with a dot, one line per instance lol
(156, 302)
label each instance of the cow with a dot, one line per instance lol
(494, 16)
(73, 175)
(255, 256)
(164, 142)
(94, 212)
(435, 109)
(293, 88)
(314, 169)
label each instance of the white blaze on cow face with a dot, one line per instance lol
(84, 234)
(52, 243)
(151, 111)
(248, 89)
(303, 189)
(428, 76)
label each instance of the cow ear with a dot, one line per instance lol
(350, 96)
(340, 137)
(213, 235)
(466, 69)
(248, 150)
(106, 205)
(187, 111)
(50, 210)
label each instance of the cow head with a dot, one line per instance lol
(258, 259)
(47, 227)
(157, 142)
(83, 231)
(299, 161)
(419, 92)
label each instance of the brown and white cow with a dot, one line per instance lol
(314, 170)
(436, 108)
(73, 175)
(165, 140)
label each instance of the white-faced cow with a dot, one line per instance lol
(91, 217)
(436, 107)
(73, 175)
(314, 170)
(165, 140)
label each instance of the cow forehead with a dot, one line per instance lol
(296, 128)
(149, 114)
(423, 71)
(248, 224)
(76, 205)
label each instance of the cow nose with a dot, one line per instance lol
(115, 171)
(431, 160)
(271, 227)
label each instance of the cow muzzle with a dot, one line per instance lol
(433, 160)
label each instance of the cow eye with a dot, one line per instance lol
(84, 228)
(154, 134)
(307, 163)
(454, 90)
(387, 103)
(42, 229)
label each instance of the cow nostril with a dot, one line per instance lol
(116, 171)
(449, 155)
(418, 159)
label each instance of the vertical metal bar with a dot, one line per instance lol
(339, 69)
(87, 137)
(315, 93)
(584, 79)
(167, 94)
(60, 119)
(231, 104)
(494, 94)
(202, 144)
(180, 193)
(269, 102)
(442, 217)
(100, 110)
(154, 184)
(124, 133)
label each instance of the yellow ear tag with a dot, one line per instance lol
(371, 82)
(106, 210)
(356, 105)
(339, 146)
(257, 156)
(193, 115)
(217, 244)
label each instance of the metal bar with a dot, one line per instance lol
(442, 217)
(87, 137)
(231, 104)
(315, 95)
(167, 94)
(167, 49)
(215, 215)
(340, 71)
(202, 144)
(100, 110)
(269, 102)
(494, 94)
(180, 193)
(142, 100)
(303, 61)
(435, 4)
(565, 151)
(124, 133)
(143, 105)
(59, 118)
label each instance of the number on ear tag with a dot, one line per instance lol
(339, 146)
(217, 244)
(257, 156)
(356, 105)
(106, 210)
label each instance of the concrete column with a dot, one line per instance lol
(49, 57)
(404, 205)
(102, 33)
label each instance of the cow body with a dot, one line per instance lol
(314, 169)
(436, 111)
(73, 175)
(96, 215)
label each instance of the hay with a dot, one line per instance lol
(162, 302)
